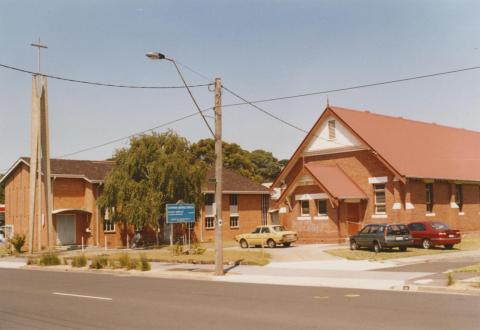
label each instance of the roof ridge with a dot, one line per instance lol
(403, 118)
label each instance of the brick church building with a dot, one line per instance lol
(356, 167)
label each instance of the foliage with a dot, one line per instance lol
(124, 260)
(155, 170)
(18, 241)
(197, 249)
(32, 261)
(450, 279)
(144, 264)
(79, 261)
(50, 259)
(177, 248)
(258, 165)
(99, 262)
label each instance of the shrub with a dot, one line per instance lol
(177, 249)
(50, 259)
(144, 264)
(32, 261)
(450, 279)
(132, 264)
(18, 241)
(79, 261)
(124, 260)
(197, 249)
(114, 263)
(99, 262)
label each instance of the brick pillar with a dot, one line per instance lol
(397, 200)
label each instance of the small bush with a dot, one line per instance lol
(18, 241)
(32, 261)
(177, 249)
(197, 249)
(79, 261)
(50, 259)
(450, 279)
(132, 264)
(113, 263)
(99, 262)
(124, 260)
(144, 265)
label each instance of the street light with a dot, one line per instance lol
(217, 135)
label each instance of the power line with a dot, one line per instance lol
(134, 134)
(97, 83)
(354, 87)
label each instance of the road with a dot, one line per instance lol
(61, 300)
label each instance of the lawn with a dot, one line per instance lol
(469, 269)
(469, 243)
(164, 254)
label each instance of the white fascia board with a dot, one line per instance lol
(10, 170)
(307, 197)
(378, 179)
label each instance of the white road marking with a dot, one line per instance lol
(320, 297)
(80, 296)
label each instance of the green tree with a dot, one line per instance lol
(155, 170)
(258, 165)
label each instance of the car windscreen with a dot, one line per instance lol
(439, 226)
(279, 228)
(397, 230)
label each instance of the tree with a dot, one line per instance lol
(258, 165)
(155, 170)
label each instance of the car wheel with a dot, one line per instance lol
(448, 246)
(243, 244)
(353, 245)
(376, 247)
(286, 244)
(426, 243)
(271, 243)
(402, 248)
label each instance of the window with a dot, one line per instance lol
(257, 230)
(209, 199)
(108, 225)
(439, 226)
(380, 199)
(234, 222)
(365, 230)
(265, 230)
(279, 228)
(397, 230)
(233, 200)
(331, 129)
(459, 196)
(429, 197)
(416, 227)
(322, 207)
(304, 208)
(209, 222)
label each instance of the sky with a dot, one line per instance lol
(260, 49)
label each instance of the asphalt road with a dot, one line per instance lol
(43, 300)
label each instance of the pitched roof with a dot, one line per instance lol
(336, 183)
(91, 170)
(418, 149)
(233, 182)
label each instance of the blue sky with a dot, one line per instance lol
(259, 48)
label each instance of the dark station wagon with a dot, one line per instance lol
(380, 236)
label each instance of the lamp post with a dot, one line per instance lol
(217, 135)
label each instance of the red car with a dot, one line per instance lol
(431, 233)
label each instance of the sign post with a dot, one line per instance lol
(180, 213)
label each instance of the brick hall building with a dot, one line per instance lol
(356, 167)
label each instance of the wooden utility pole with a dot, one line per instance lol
(218, 179)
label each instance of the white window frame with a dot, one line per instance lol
(209, 222)
(238, 221)
(377, 204)
(109, 226)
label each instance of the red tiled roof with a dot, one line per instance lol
(233, 182)
(417, 149)
(335, 181)
(94, 170)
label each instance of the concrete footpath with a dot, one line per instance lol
(323, 271)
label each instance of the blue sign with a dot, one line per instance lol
(180, 213)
